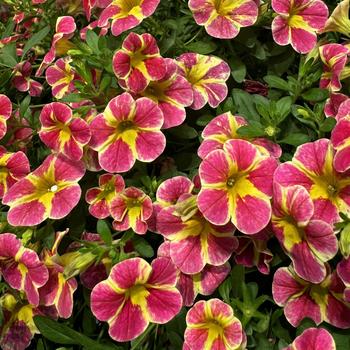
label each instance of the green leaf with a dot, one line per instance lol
(8, 55)
(328, 124)
(238, 69)
(283, 107)
(184, 132)
(204, 119)
(35, 39)
(295, 139)
(245, 104)
(315, 94)
(24, 105)
(142, 247)
(254, 129)
(202, 47)
(62, 334)
(277, 82)
(92, 40)
(104, 231)
(72, 98)
(225, 289)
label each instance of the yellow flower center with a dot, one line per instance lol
(125, 125)
(128, 5)
(136, 59)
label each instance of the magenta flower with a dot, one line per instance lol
(100, 198)
(22, 81)
(312, 167)
(138, 62)
(60, 76)
(236, 181)
(212, 325)
(204, 282)
(127, 130)
(50, 191)
(223, 19)
(65, 28)
(172, 93)
(297, 23)
(334, 58)
(343, 270)
(308, 242)
(223, 128)
(21, 267)
(63, 133)
(5, 113)
(131, 208)
(136, 294)
(313, 339)
(14, 166)
(126, 15)
(252, 251)
(333, 103)
(207, 75)
(302, 299)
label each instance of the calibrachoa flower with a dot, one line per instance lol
(302, 299)
(136, 294)
(131, 208)
(50, 191)
(65, 28)
(207, 75)
(211, 324)
(5, 113)
(223, 19)
(127, 130)
(204, 282)
(21, 267)
(223, 128)
(100, 198)
(339, 19)
(13, 167)
(172, 93)
(298, 22)
(60, 76)
(23, 82)
(308, 242)
(340, 138)
(138, 62)
(194, 241)
(62, 132)
(17, 328)
(58, 290)
(313, 339)
(236, 181)
(334, 58)
(343, 270)
(312, 168)
(252, 251)
(126, 14)
(333, 103)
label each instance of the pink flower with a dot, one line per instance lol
(223, 19)
(14, 166)
(172, 93)
(223, 128)
(334, 58)
(297, 23)
(5, 113)
(60, 76)
(236, 181)
(127, 130)
(65, 28)
(21, 267)
(207, 75)
(62, 132)
(309, 242)
(131, 208)
(100, 198)
(23, 82)
(333, 103)
(211, 324)
(50, 191)
(343, 271)
(313, 339)
(136, 294)
(126, 14)
(138, 62)
(302, 299)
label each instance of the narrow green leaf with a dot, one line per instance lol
(295, 139)
(104, 231)
(328, 124)
(92, 40)
(35, 39)
(276, 82)
(202, 47)
(142, 247)
(315, 95)
(184, 132)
